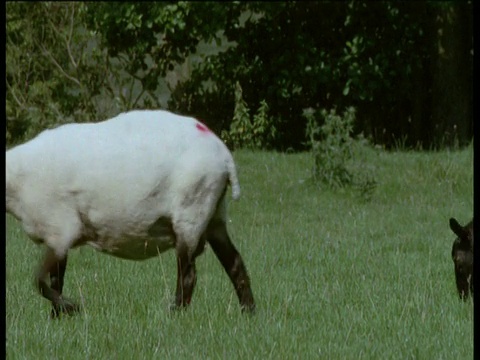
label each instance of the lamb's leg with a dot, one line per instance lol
(462, 286)
(232, 262)
(56, 267)
(186, 276)
(471, 284)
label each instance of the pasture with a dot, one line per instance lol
(334, 277)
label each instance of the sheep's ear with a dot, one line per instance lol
(457, 229)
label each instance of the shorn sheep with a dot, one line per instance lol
(132, 186)
(462, 256)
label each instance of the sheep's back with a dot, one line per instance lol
(126, 171)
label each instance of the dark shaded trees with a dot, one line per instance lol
(407, 67)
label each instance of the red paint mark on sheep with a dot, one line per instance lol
(202, 128)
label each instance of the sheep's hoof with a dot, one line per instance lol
(248, 309)
(175, 308)
(65, 307)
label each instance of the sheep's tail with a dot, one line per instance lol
(232, 177)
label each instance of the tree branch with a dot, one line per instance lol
(68, 40)
(12, 91)
(138, 97)
(52, 59)
(65, 38)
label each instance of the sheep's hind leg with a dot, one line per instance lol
(186, 277)
(232, 262)
(54, 266)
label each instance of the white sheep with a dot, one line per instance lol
(132, 186)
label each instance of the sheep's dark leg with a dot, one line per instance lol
(462, 286)
(232, 263)
(57, 272)
(471, 285)
(56, 268)
(186, 277)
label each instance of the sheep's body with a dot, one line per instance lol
(132, 186)
(462, 256)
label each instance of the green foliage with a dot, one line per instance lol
(58, 71)
(85, 61)
(245, 133)
(336, 154)
(333, 54)
(153, 37)
(55, 73)
(264, 128)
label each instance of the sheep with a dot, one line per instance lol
(133, 187)
(462, 256)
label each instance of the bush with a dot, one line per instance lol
(245, 133)
(336, 154)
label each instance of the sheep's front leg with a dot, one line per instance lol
(186, 277)
(233, 264)
(54, 266)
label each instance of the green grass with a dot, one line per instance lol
(334, 277)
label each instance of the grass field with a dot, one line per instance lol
(334, 277)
